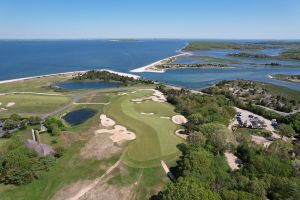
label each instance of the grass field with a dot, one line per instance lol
(33, 104)
(155, 136)
(32, 85)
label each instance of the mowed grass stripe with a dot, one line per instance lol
(146, 136)
(155, 136)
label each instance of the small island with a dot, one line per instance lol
(291, 54)
(286, 77)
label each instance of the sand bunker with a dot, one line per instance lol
(179, 119)
(147, 113)
(106, 122)
(0, 103)
(133, 92)
(157, 97)
(119, 133)
(122, 93)
(10, 104)
(180, 134)
(165, 117)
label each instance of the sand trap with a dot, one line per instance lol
(122, 93)
(4, 109)
(138, 102)
(133, 92)
(10, 104)
(180, 134)
(147, 113)
(232, 160)
(165, 117)
(119, 133)
(106, 122)
(179, 119)
(0, 103)
(157, 97)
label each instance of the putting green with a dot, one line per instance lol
(155, 136)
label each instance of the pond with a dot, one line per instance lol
(80, 85)
(79, 116)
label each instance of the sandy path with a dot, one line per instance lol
(84, 190)
(261, 140)
(232, 160)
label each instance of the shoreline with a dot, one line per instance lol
(151, 67)
(72, 73)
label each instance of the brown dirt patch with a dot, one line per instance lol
(100, 147)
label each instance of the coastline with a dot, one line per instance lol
(71, 74)
(151, 67)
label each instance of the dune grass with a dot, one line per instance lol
(155, 136)
(31, 103)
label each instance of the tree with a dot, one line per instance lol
(280, 148)
(188, 189)
(286, 130)
(218, 136)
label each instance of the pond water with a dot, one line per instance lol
(79, 116)
(80, 85)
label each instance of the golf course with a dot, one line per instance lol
(93, 162)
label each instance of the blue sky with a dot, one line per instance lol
(239, 19)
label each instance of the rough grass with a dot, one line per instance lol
(208, 45)
(70, 168)
(282, 91)
(32, 85)
(34, 104)
(155, 136)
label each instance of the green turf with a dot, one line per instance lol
(155, 136)
(34, 104)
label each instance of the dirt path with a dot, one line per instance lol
(86, 189)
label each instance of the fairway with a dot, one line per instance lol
(32, 104)
(155, 136)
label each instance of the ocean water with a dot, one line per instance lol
(30, 58)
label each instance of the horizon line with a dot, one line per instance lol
(147, 38)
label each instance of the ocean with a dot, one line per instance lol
(23, 58)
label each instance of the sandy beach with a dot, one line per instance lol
(151, 67)
(71, 74)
